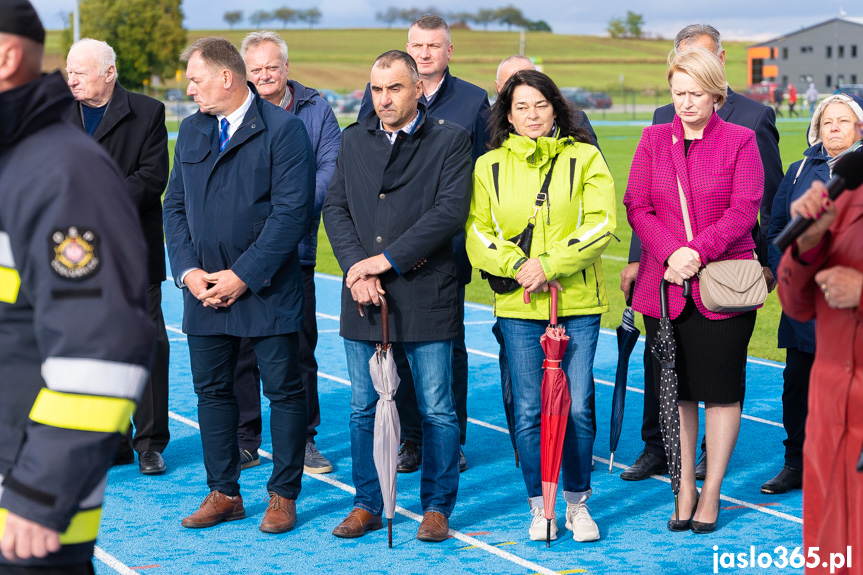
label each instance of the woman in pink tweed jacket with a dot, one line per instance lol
(722, 177)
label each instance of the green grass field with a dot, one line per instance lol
(618, 145)
(340, 60)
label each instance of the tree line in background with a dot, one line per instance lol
(285, 15)
(508, 16)
(632, 26)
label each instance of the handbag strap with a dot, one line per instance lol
(542, 196)
(685, 210)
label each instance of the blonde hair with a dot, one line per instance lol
(704, 67)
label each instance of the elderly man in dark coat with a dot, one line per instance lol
(131, 127)
(238, 204)
(400, 191)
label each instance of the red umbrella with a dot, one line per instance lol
(555, 410)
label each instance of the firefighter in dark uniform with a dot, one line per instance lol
(75, 336)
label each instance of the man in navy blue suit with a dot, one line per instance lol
(762, 120)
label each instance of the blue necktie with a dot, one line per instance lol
(223, 135)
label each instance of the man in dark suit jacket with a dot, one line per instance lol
(761, 119)
(131, 127)
(400, 191)
(238, 203)
(466, 105)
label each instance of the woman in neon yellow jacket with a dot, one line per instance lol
(533, 133)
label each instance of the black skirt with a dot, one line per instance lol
(711, 354)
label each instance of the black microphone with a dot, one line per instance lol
(847, 175)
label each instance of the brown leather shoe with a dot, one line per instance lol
(281, 514)
(434, 528)
(215, 508)
(357, 523)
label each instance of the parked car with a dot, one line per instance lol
(331, 96)
(349, 104)
(601, 100)
(174, 95)
(761, 92)
(578, 97)
(853, 89)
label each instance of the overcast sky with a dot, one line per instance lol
(735, 19)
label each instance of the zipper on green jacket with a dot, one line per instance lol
(605, 235)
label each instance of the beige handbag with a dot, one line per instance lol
(730, 285)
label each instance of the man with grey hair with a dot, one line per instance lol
(267, 66)
(762, 120)
(131, 128)
(452, 99)
(238, 203)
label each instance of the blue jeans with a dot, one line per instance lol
(525, 356)
(431, 367)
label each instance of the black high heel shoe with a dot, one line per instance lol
(683, 524)
(702, 528)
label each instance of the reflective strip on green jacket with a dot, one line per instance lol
(576, 223)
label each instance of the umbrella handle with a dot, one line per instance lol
(663, 295)
(385, 320)
(553, 307)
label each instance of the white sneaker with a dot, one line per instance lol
(579, 521)
(539, 525)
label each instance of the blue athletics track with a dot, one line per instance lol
(141, 530)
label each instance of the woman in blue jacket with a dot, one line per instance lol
(832, 134)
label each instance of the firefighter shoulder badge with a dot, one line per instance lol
(74, 253)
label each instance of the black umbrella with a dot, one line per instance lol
(627, 335)
(665, 351)
(506, 391)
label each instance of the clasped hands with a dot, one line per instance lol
(217, 290)
(682, 265)
(532, 277)
(363, 281)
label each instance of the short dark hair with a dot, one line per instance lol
(499, 122)
(432, 22)
(386, 60)
(217, 52)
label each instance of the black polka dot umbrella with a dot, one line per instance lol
(665, 350)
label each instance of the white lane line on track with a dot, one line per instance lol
(534, 567)
(601, 381)
(733, 500)
(112, 562)
(621, 465)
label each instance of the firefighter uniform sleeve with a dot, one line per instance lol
(75, 278)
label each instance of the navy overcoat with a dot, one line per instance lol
(244, 209)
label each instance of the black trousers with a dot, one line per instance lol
(151, 416)
(214, 361)
(406, 396)
(795, 403)
(650, 432)
(247, 377)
